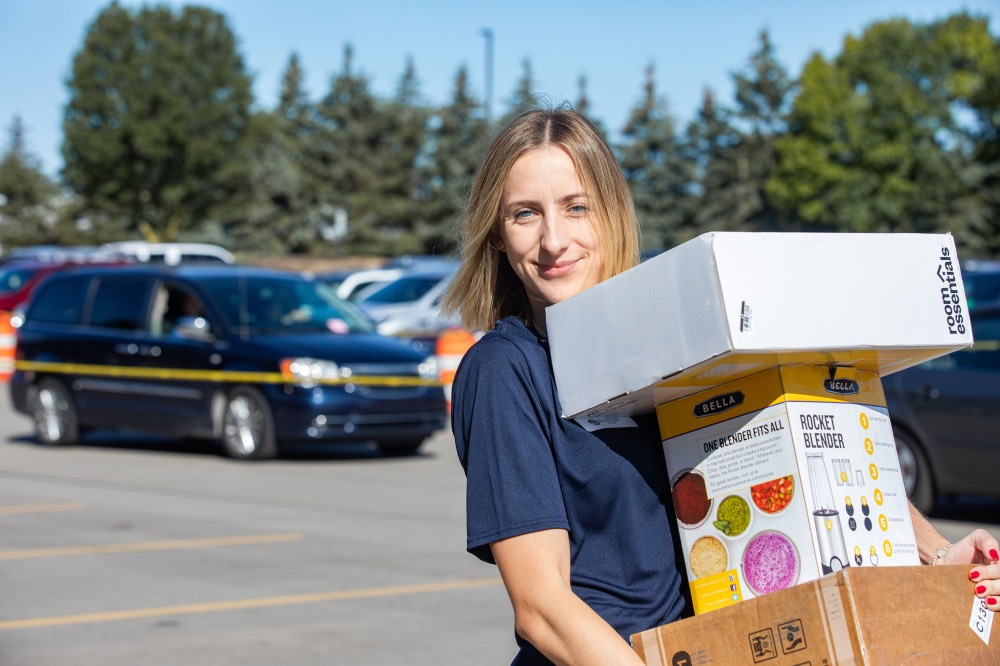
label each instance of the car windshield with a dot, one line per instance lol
(404, 290)
(281, 306)
(14, 279)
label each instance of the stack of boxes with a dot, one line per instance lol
(762, 355)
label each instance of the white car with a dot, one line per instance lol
(170, 254)
(410, 306)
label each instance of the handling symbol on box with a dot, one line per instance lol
(762, 645)
(792, 636)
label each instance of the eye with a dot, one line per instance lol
(523, 214)
(578, 209)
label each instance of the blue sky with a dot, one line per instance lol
(693, 45)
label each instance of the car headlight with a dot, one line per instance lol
(309, 370)
(429, 368)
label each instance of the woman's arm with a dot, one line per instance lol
(547, 613)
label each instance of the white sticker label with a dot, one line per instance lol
(981, 620)
(592, 423)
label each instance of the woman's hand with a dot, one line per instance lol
(979, 548)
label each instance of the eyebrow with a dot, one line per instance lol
(531, 202)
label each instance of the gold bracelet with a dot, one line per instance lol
(940, 553)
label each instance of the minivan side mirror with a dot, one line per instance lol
(193, 328)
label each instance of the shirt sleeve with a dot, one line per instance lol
(505, 448)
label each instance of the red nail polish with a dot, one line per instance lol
(974, 575)
(990, 600)
(980, 589)
(993, 554)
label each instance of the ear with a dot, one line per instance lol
(497, 244)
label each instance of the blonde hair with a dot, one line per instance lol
(485, 288)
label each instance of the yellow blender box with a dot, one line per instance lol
(782, 477)
(728, 305)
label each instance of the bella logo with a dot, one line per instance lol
(719, 403)
(841, 386)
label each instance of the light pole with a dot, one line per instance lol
(487, 34)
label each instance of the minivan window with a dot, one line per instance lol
(273, 306)
(60, 301)
(118, 304)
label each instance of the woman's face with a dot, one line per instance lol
(547, 231)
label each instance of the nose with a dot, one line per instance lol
(555, 234)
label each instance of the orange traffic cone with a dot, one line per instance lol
(8, 342)
(451, 347)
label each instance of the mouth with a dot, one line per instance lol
(556, 269)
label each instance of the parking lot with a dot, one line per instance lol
(129, 550)
(137, 550)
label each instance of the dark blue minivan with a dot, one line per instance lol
(249, 356)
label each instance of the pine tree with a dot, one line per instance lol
(158, 112)
(284, 212)
(29, 210)
(763, 93)
(659, 172)
(727, 196)
(457, 142)
(349, 119)
(582, 106)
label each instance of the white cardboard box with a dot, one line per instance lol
(726, 305)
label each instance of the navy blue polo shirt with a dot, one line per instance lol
(528, 469)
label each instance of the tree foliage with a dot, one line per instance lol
(28, 199)
(158, 114)
(899, 131)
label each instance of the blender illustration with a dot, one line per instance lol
(826, 518)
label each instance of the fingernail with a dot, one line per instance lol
(993, 554)
(974, 575)
(980, 589)
(990, 600)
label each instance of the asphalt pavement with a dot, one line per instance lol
(128, 550)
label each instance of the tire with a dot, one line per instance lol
(54, 413)
(917, 477)
(248, 425)
(401, 448)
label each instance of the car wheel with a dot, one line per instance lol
(54, 413)
(398, 449)
(248, 425)
(917, 478)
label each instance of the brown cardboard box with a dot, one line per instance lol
(898, 615)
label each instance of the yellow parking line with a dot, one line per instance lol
(148, 546)
(39, 508)
(242, 604)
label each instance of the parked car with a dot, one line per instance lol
(350, 285)
(982, 281)
(170, 254)
(946, 415)
(253, 357)
(410, 306)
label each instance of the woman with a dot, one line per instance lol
(576, 517)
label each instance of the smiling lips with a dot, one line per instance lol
(557, 269)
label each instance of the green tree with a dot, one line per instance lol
(158, 113)
(970, 56)
(659, 171)
(763, 93)
(728, 196)
(457, 141)
(872, 142)
(29, 211)
(402, 141)
(284, 211)
(582, 105)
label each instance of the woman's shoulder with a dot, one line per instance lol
(509, 346)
